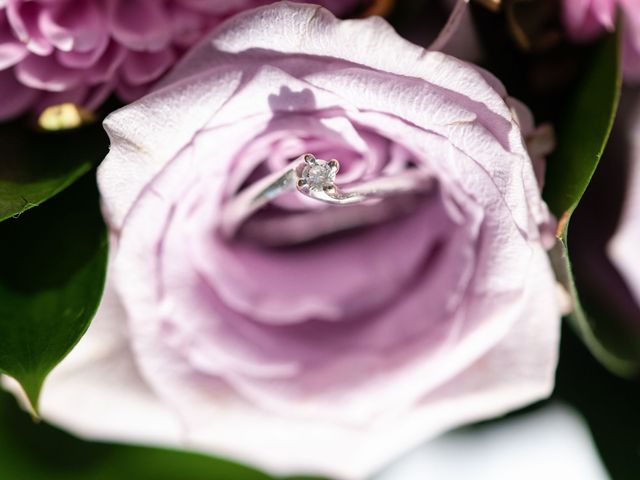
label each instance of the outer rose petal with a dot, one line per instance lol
(123, 181)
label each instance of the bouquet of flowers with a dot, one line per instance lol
(310, 238)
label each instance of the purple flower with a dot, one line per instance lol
(366, 329)
(587, 19)
(80, 51)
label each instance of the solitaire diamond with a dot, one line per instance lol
(319, 174)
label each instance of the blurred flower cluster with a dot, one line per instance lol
(80, 51)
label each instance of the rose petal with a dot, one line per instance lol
(173, 125)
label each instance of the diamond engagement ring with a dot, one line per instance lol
(314, 178)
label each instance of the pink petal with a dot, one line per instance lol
(221, 7)
(11, 49)
(24, 18)
(82, 60)
(631, 13)
(605, 12)
(130, 93)
(140, 25)
(45, 73)
(106, 68)
(16, 98)
(77, 25)
(141, 68)
(583, 19)
(188, 25)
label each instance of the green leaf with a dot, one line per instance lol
(40, 452)
(582, 137)
(52, 272)
(36, 165)
(585, 129)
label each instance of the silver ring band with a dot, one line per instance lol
(315, 179)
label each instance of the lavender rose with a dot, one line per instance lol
(80, 51)
(320, 339)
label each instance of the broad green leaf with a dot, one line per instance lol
(584, 130)
(52, 272)
(582, 137)
(36, 451)
(36, 165)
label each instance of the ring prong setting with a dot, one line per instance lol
(329, 189)
(317, 175)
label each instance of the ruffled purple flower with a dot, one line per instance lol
(80, 51)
